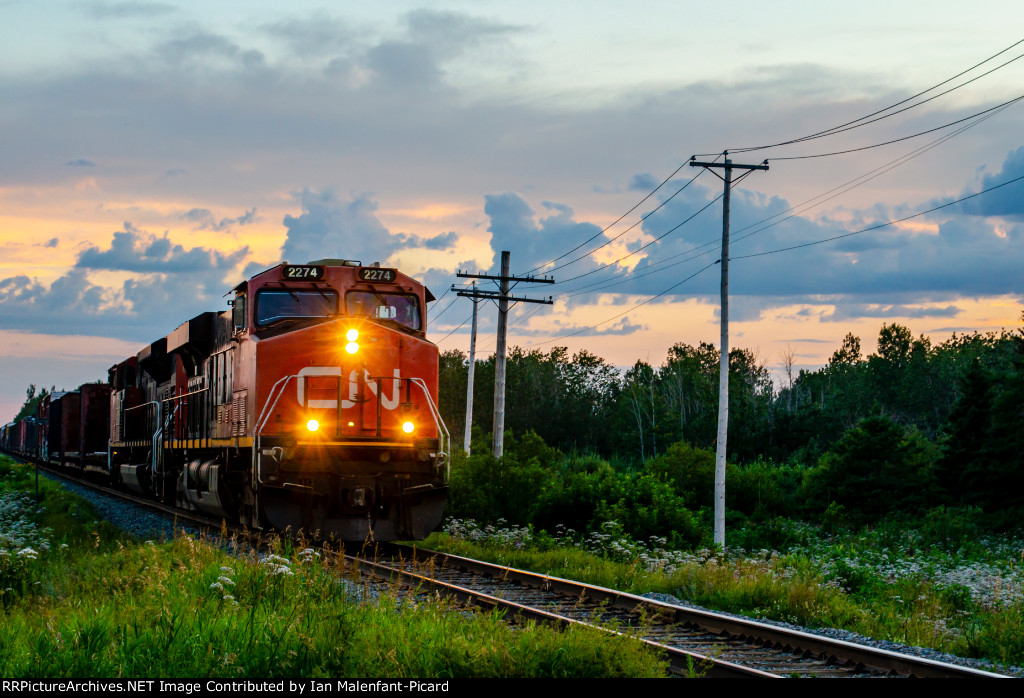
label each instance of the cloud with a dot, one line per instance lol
(203, 219)
(203, 49)
(433, 39)
(318, 34)
(142, 309)
(623, 326)
(452, 33)
(885, 273)
(80, 162)
(70, 304)
(168, 284)
(135, 251)
(513, 227)
(846, 311)
(1007, 201)
(643, 182)
(151, 110)
(404, 65)
(441, 241)
(329, 227)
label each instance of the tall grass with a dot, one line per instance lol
(97, 604)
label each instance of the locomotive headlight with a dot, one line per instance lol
(312, 425)
(408, 427)
(351, 347)
(352, 335)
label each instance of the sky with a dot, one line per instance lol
(153, 154)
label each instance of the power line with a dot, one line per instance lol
(851, 124)
(862, 179)
(613, 223)
(645, 246)
(784, 249)
(880, 225)
(641, 220)
(761, 254)
(461, 325)
(904, 138)
(442, 312)
(835, 191)
(626, 312)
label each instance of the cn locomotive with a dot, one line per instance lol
(311, 404)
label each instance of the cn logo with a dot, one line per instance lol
(353, 388)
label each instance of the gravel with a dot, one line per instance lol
(144, 525)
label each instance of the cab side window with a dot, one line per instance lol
(238, 313)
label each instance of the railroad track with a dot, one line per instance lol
(696, 642)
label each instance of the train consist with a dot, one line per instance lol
(311, 404)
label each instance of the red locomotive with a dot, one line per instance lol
(311, 404)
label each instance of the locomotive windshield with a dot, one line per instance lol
(273, 305)
(403, 308)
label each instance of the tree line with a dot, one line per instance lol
(916, 421)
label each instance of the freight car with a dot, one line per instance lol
(311, 404)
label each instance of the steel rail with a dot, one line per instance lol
(752, 632)
(680, 661)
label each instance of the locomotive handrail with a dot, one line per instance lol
(268, 409)
(124, 437)
(158, 437)
(442, 432)
(151, 402)
(178, 397)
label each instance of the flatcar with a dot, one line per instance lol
(311, 404)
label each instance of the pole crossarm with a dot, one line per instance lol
(730, 165)
(528, 279)
(497, 296)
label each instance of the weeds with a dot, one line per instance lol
(933, 587)
(99, 604)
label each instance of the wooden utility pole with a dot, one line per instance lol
(503, 297)
(469, 382)
(723, 365)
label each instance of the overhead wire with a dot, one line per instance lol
(852, 124)
(860, 180)
(638, 222)
(455, 330)
(626, 312)
(785, 249)
(644, 246)
(435, 316)
(690, 254)
(796, 210)
(615, 222)
(904, 138)
(880, 225)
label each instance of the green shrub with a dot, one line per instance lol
(876, 468)
(951, 524)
